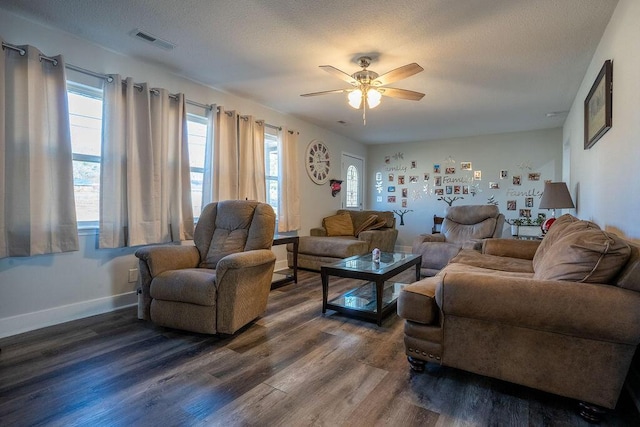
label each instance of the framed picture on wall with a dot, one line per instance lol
(597, 106)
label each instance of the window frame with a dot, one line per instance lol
(203, 120)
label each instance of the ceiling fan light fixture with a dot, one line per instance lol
(355, 98)
(373, 98)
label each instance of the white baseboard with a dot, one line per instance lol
(53, 316)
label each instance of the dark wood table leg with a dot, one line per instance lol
(325, 289)
(418, 271)
(296, 242)
(379, 291)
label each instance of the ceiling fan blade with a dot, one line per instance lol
(339, 74)
(400, 93)
(325, 92)
(398, 74)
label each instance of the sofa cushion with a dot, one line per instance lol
(493, 262)
(590, 255)
(334, 247)
(370, 221)
(561, 227)
(358, 217)
(338, 225)
(191, 285)
(436, 255)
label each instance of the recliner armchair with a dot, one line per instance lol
(222, 282)
(463, 227)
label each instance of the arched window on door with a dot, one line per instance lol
(352, 187)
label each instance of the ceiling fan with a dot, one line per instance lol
(369, 87)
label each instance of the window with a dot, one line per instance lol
(85, 118)
(352, 187)
(271, 167)
(197, 135)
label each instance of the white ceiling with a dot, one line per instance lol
(490, 66)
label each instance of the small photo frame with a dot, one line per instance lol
(427, 176)
(404, 203)
(528, 202)
(414, 164)
(465, 166)
(391, 177)
(391, 199)
(465, 189)
(494, 185)
(525, 213)
(413, 179)
(457, 189)
(511, 205)
(450, 170)
(391, 189)
(504, 174)
(379, 199)
(437, 181)
(449, 189)
(535, 176)
(378, 176)
(436, 168)
(439, 192)
(477, 175)
(400, 179)
(405, 192)
(597, 106)
(387, 159)
(516, 180)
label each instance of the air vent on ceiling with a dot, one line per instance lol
(150, 38)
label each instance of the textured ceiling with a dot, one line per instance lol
(490, 66)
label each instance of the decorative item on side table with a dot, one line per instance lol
(556, 196)
(597, 106)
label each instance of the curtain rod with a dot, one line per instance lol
(109, 79)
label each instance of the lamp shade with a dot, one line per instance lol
(556, 196)
(355, 98)
(373, 98)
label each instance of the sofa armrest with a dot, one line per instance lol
(424, 238)
(318, 231)
(585, 310)
(168, 257)
(513, 248)
(383, 239)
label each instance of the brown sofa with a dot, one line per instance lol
(561, 315)
(356, 233)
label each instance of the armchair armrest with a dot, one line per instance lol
(243, 283)
(383, 239)
(168, 257)
(593, 311)
(513, 248)
(318, 231)
(427, 238)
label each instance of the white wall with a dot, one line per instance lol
(49, 289)
(604, 178)
(518, 153)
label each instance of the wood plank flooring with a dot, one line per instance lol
(292, 367)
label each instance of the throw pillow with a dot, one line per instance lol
(371, 220)
(338, 225)
(562, 226)
(590, 256)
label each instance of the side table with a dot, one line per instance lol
(291, 275)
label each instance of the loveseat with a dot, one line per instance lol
(561, 315)
(345, 234)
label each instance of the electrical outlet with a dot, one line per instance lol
(133, 275)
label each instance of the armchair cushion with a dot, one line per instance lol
(191, 285)
(338, 225)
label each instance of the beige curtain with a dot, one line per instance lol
(251, 148)
(289, 206)
(37, 209)
(225, 156)
(209, 176)
(171, 166)
(145, 191)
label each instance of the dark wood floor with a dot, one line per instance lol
(292, 367)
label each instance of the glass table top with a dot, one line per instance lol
(364, 263)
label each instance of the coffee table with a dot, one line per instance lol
(376, 298)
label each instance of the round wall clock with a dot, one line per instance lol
(318, 162)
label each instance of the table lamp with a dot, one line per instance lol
(556, 196)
